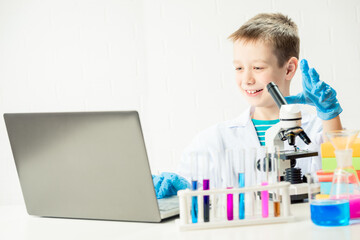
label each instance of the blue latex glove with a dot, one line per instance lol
(167, 184)
(316, 93)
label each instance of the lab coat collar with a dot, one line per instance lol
(244, 119)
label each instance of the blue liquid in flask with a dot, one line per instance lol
(330, 212)
(194, 204)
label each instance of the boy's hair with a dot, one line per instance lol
(273, 28)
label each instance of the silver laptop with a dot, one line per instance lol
(89, 165)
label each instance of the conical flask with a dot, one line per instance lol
(342, 140)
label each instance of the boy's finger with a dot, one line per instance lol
(304, 67)
(328, 95)
(319, 88)
(298, 98)
(315, 78)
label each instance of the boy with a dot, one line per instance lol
(266, 49)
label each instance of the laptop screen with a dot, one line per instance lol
(90, 165)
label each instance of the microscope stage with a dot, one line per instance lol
(290, 154)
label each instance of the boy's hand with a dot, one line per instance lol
(167, 184)
(316, 93)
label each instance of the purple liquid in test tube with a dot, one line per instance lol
(206, 186)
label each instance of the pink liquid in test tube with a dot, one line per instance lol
(230, 206)
(229, 183)
(265, 201)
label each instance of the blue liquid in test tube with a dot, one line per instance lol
(239, 165)
(241, 196)
(194, 203)
(194, 186)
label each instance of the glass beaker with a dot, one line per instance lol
(342, 140)
(331, 211)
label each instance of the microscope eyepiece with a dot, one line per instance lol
(288, 131)
(274, 91)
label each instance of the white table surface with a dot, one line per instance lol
(15, 223)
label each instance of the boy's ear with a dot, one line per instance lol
(291, 67)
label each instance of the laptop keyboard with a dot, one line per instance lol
(170, 203)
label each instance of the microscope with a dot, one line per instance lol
(288, 129)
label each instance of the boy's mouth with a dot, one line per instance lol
(253, 93)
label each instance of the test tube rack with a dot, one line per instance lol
(185, 223)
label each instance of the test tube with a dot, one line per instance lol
(250, 159)
(275, 177)
(229, 183)
(217, 169)
(263, 159)
(194, 186)
(217, 182)
(206, 185)
(240, 171)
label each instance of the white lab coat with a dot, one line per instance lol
(240, 132)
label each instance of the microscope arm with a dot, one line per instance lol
(272, 139)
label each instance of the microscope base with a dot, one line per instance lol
(299, 192)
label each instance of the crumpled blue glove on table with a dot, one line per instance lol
(167, 184)
(316, 93)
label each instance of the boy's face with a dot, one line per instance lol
(255, 66)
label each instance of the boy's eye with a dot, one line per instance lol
(258, 68)
(238, 68)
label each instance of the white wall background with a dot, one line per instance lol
(169, 59)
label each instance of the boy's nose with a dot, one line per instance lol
(249, 80)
